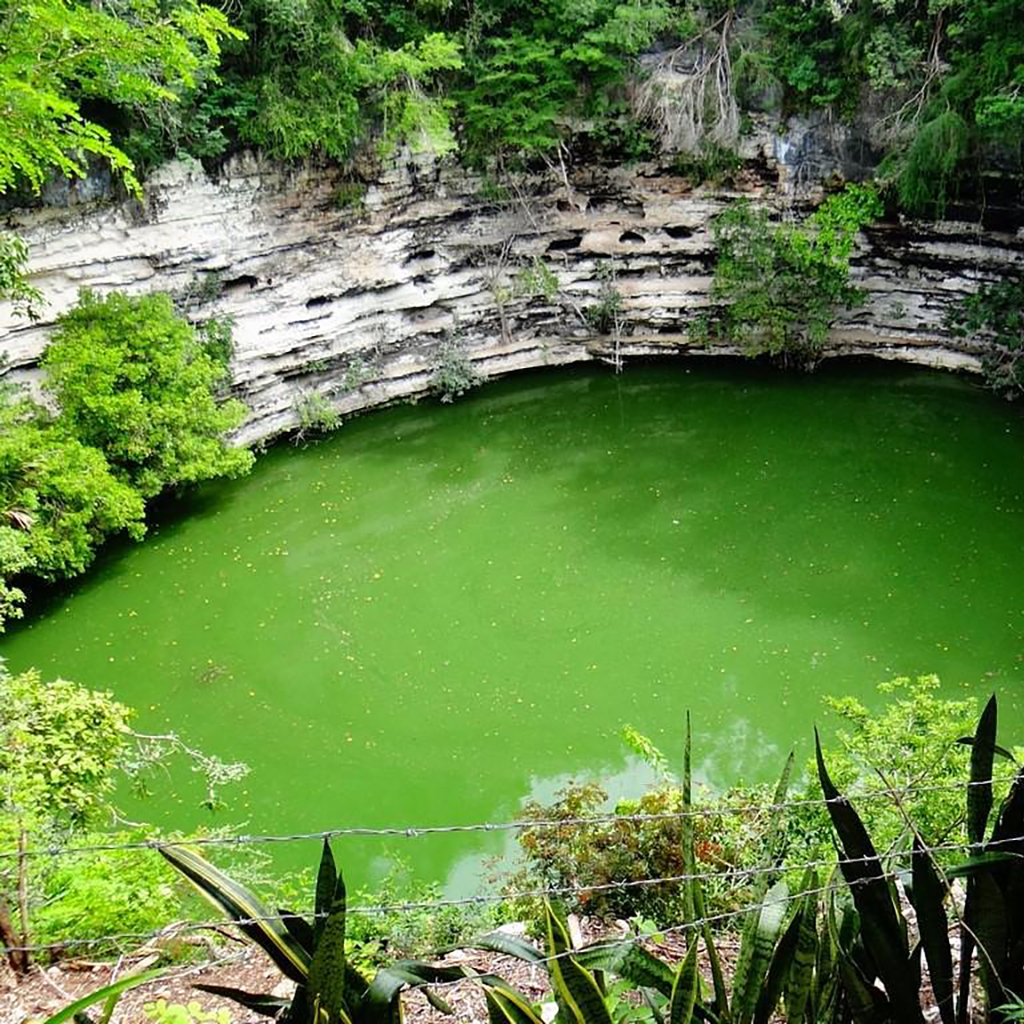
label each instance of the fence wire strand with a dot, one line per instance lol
(520, 825)
(142, 938)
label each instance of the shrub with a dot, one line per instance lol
(133, 380)
(994, 316)
(316, 415)
(63, 749)
(782, 286)
(454, 374)
(58, 497)
(911, 741)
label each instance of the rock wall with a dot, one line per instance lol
(354, 291)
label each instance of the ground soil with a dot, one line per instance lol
(226, 960)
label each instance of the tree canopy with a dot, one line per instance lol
(59, 56)
(134, 381)
(135, 81)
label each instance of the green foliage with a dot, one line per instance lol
(350, 195)
(135, 386)
(912, 742)
(604, 315)
(63, 750)
(14, 286)
(58, 501)
(317, 77)
(58, 497)
(357, 373)
(312, 953)
(454, 374)
(374, 940)
(710, 165)
(315, 414)
(192, 1012)
(994, 316)
(947, 76)
(991, 919)
(783, 285)
(60, 746)
(539, 77)
(134, 381)
(56, 54)
(536, 280)
(812, 52)
(926, 174)
(106, 893)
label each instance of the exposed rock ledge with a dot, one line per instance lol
(353, 300)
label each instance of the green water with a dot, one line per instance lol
(443, 610)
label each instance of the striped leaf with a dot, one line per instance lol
(769, 924)
(577, 989)
(327, 970)
(979, 806)
(775, 843)
(264, 1005)
(689, 856)
(631, 962)
(693, 898)
(979, 792)
(509, 945)
(882, 927)
(299, 929)
(929, 896)
(779, 969)
(805, 956)
(109, 994)
(504, 1007)
(243, 907)
(684, 988)
(326, 883)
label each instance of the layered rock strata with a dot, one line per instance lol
(355, 293)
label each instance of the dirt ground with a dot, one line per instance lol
(229, 961)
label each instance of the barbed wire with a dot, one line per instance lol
(735, 874)
(417, 831)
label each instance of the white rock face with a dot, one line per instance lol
(350, 291)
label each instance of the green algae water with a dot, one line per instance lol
(441, 611)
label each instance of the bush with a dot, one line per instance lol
(133, 380)
(454, 375)
(994, 316)
(105, 893)
(63, 750)
(316, 415)
(782, 286)
(909, 742)
(58, 497)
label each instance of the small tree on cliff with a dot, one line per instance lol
(134, 380)
(781, 286)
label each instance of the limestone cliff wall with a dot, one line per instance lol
(350, 291)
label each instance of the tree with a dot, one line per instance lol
(58, 501)
(14, 286)
(994, 317)
(134, 380)
(56, 54)
(782, 286)
(63, 750)
(60, 745)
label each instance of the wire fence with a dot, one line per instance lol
(736, 874)
(417, 831)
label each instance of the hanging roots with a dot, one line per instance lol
(687, 94)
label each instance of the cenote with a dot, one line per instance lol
(441, 611)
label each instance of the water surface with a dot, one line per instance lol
(441, 610)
